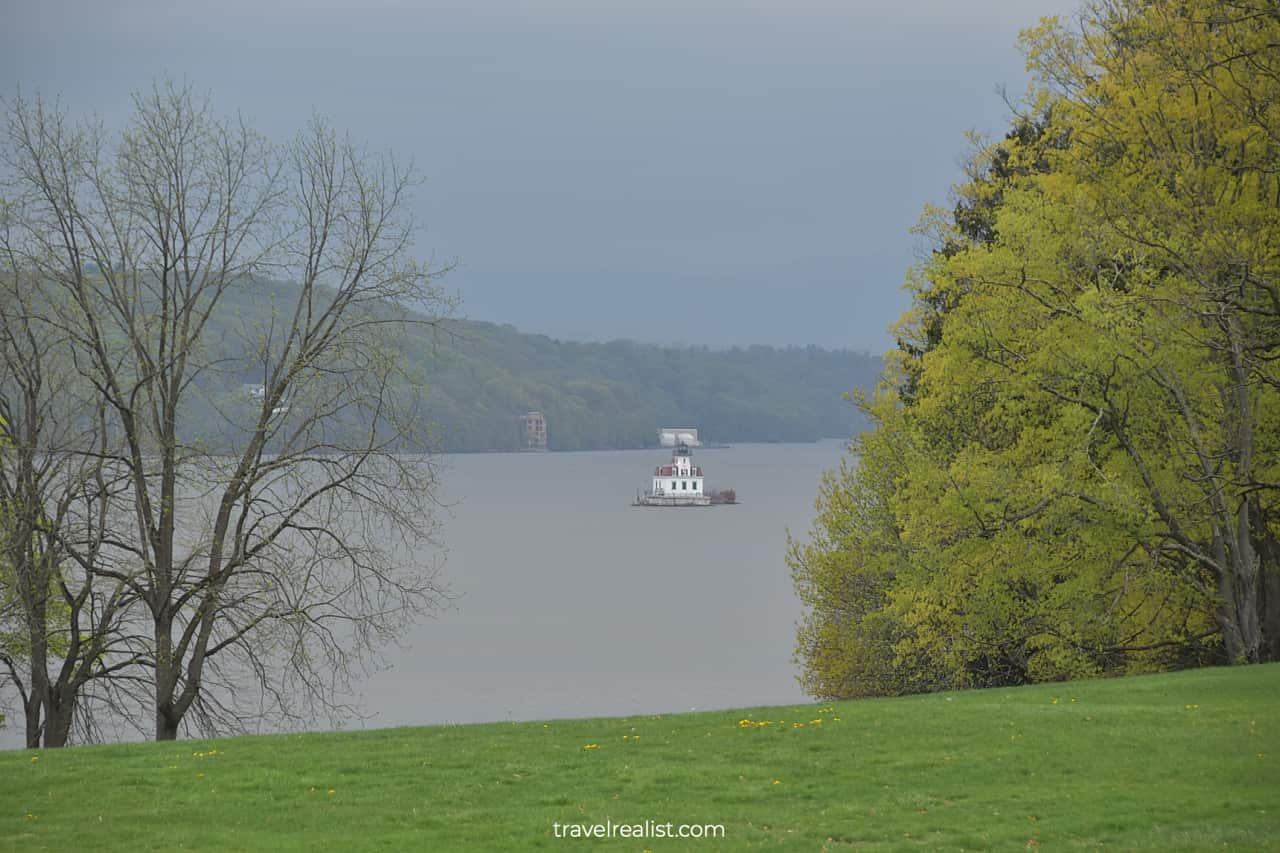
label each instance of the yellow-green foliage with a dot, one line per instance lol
(1074, 464)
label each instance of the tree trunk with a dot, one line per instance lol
(166, 727)
(1249, 611)
(32, 708)
(1268, 548)
(1248, 571)
(1269, 611)
(166, 679)
(1227, 613)
(60, 712)
(37, 631)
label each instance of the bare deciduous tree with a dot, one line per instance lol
(276, 536)
(67, 625)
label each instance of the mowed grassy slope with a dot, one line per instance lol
(1182, 761)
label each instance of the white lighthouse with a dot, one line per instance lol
(678, 483)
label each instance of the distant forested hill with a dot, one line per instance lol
(617, 394)
(481, 377)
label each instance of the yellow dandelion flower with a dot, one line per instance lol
(34, 759)
(777, 781)
(592, 746)
(331, 791)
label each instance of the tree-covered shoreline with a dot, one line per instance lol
(478, 378)
(616, 395)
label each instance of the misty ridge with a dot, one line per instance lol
(472, 380)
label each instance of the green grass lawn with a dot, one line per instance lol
(1187, 761)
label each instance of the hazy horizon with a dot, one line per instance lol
(704, 174)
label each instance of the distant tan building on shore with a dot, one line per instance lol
(535, 431)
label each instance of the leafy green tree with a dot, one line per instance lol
(1073, 468)
(1173, 109)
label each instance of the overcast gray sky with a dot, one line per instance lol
(696, 172)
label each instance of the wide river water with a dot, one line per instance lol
(570, 602)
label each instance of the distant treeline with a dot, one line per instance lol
(482, 376)
(479, 378)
